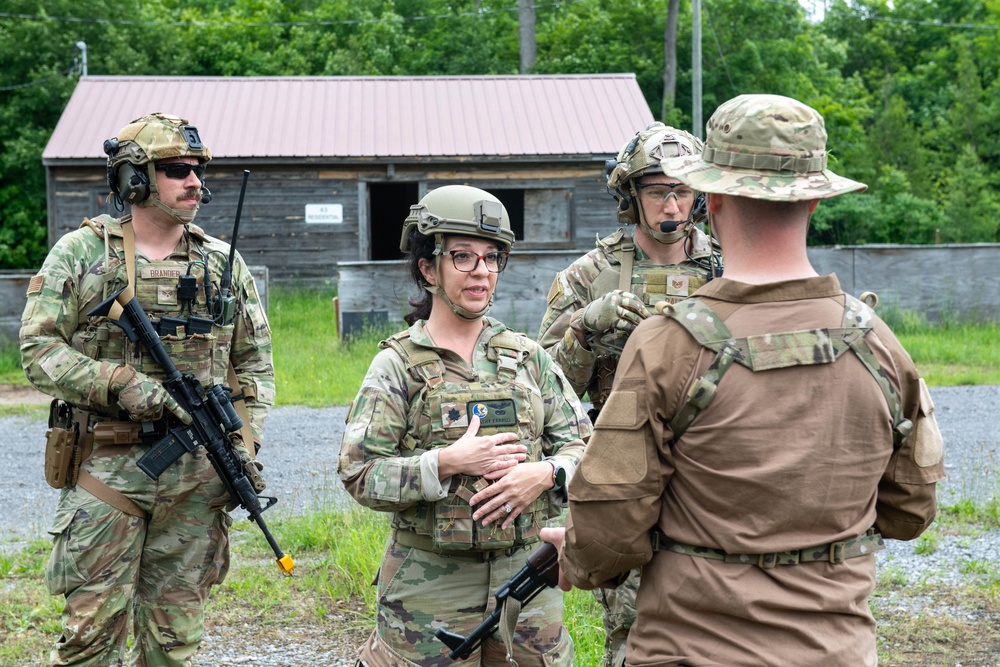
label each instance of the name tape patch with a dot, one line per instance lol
(493, 413)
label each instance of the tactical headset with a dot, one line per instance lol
(642, 155)
(128, 180)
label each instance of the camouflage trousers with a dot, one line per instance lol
(619, 615)
(122, 573)
(420, 591)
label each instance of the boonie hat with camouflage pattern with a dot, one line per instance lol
(763, 147)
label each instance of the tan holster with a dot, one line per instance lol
(67, 445)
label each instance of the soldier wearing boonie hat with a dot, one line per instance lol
(771, 429)
(763, 147)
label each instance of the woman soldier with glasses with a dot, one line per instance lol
(466, 433)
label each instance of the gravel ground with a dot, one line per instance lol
(300, 468)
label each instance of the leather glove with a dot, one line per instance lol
(617, 310)
(144, 397)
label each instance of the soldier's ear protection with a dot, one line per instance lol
(615, 170)
(700, 207)
(127, 183)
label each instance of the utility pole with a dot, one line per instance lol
(698, 126)
(526, 33)
(83, 58)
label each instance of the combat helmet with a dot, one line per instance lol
(133, 153)
(459, 210)
(641, 156)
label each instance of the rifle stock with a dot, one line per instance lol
(213, 418)
(539, 572)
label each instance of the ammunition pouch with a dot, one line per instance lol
(64, 445)
(452, 528)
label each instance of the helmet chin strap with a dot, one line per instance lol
(181, 215)
(682, 231)
(464, 313)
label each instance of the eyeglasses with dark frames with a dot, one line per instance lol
(467, 261)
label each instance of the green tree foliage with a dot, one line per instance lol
(909, 89)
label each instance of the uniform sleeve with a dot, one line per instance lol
(53, 312)
(566, 297)
(907, 493)
(567, 426)
(616, 494)
(251, 352)
(370, 463)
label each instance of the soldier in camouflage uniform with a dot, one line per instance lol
(762, 437)
(466, 432)
(132, 553)
(599, 299)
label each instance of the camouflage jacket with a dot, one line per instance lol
(69, 356)
(373, 461)
(596, 274)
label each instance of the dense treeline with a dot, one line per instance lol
(909, 89)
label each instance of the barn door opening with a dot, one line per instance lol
(388, 205)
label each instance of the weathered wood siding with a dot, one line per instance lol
(566, 204)
(902, 277)
(910, 277)
(13, 295)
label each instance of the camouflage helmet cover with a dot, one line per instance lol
(763, 147)
(461, 210)
(156, 137)
(642, 155)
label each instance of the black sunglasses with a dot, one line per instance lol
(180, 170)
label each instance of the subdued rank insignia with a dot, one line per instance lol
(494, 413)
(677, 285)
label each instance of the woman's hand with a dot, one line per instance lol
(488, 456)
(513, 494)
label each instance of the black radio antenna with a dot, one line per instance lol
(226, 302)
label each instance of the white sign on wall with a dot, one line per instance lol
(325, 213)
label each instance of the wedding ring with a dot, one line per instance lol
(507, 508)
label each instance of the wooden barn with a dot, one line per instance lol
(336, 162)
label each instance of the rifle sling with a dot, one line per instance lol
(109, 495)
(128, 241)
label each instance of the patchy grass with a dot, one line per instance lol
(337, 553)
(938, 625)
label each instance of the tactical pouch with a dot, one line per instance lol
(454, 529)
(62, 447)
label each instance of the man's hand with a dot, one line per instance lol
(144, 397)
(617, 310)
(555, 537)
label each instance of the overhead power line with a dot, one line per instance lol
(71, 70)
(277, 24)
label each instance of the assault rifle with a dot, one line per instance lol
(540, 571)
(213, 419)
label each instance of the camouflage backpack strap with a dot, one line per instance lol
(772, 351)
(706, 327)
(626, 257)
(859, 315)
(506, 350)
(423, 364)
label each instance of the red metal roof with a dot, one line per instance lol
(365, 117)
